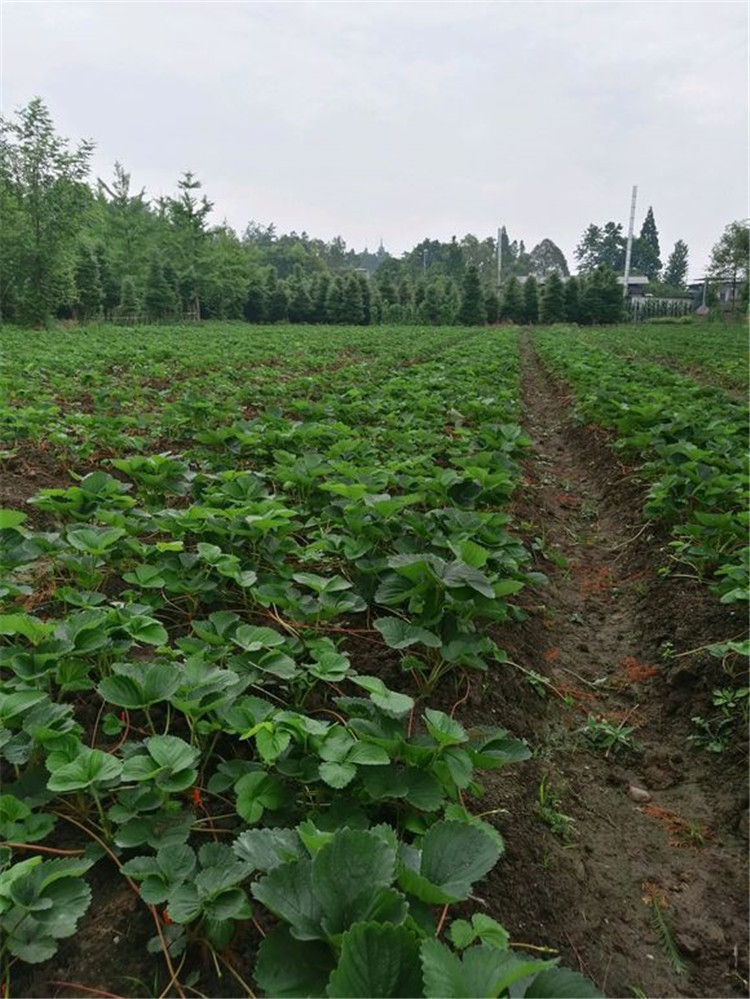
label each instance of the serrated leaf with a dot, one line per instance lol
(264, 849)
(377, 960)
(399, 634)
(337, 775)
(561, 983)
(287, 968)
(287, 892)
(349, 874)
(444, 729)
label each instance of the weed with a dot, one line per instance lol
(548, 807)
(606, 735)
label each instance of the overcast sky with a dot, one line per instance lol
(406, 120)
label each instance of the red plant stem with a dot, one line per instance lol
(84, 988)
(463, 699)
(125, 732)
(152, 908)
(443, 914)
(44, 849)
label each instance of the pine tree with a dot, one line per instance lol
(572, 300)
(300, 302)
(159, 299)
(552, 307)
(110, 289)
(335, 301)
(492, 306)
(431, 310)
(320, 289)
(277, 301)
(472, 311)
(364, 286)
(89, 295)
(530, 301)
(352, 307)
(129, 306)
(676, 270)
(511, 307)
(646, 257)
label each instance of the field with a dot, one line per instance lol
(373, 662)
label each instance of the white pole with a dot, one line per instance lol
(500, 257)
(629, 250)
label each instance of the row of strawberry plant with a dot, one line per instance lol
(718, 352)
(84, 393)
(211, 615)
(694, 442)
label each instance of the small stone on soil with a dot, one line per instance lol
(638, 793)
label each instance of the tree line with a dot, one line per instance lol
(72, 249)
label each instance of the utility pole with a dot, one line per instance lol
(500, 234)
(629, 250)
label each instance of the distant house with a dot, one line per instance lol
(637, 284)
(726, 290)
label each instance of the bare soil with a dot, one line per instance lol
(588, 886)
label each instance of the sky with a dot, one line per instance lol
(407, 120)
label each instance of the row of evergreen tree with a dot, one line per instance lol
(69, 249)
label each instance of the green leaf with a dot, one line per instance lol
(288, 893)
(146, 630)
(443, 728)
(349, 874)
(393, 704)
(337, 775)
(483, 928)
(454, 856)
(482, 973)
(399, 634)
(287, 968)
(264, 849)
(184, 903)
(253, 639)
(561, 983)
(368, 754)
(91, 767)
(257, 792)
(11, 519)
(171, 752)
(271, 743)
(377, 960)
(24, 624)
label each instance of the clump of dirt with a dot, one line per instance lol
(597, 830)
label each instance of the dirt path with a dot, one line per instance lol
(600, 840)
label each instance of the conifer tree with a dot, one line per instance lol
(364, 286)
(530, 301)
(511, 307)
(277, 302)
(89, 295)
(129, 306)
(300, 302)
(492, 306)
(110, 288)
(552, 307)
(352, 306)
(159, 299)
(572, 300)
(320, 289)
(335, 301)
(472, 311)
(676, 270)
(646, 258)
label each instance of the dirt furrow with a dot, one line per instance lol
(624, 835)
